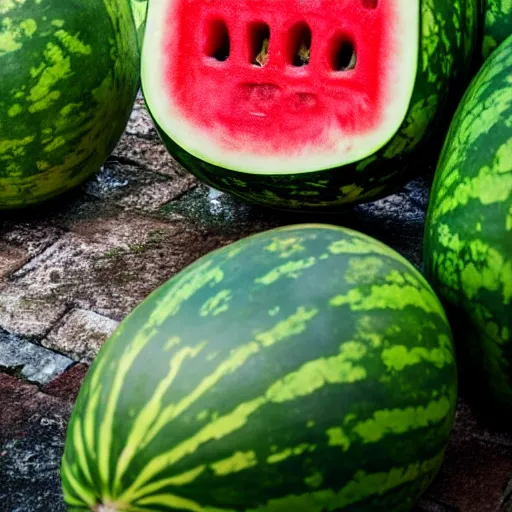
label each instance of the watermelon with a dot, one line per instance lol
(69, 74)
(468, 235)
(292, 104)
(497, 24)
(308, 368)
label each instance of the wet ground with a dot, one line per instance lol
(72, 270)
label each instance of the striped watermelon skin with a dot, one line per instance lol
(447, 45)
(306, 368)
(497, 24)
(69, 77)
(468, 236)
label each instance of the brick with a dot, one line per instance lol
(426, 505)
(32, 236)
(21, 402)
(27, 311)
(80, 334)
(35, 363)
(11, 258)
(135, 187)
(475, 473)
(67, 385)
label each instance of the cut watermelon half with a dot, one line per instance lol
(280, 86)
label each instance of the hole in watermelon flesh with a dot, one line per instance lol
(259, 40)
(217, 40)
(300, 44)
(370, 4)
(343, 54)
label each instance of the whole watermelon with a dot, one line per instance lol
(312, 116)
(468, 237)
(306, 369)
(69, 74)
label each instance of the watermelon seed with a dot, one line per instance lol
(343, 55)
(218, 44)
(300, 44)
(370, 4)
(259, 40)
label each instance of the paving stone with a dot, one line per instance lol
(222, 213)
(35, 363)
(31, 235)
(426, 505)
(80, 334)
(141, 146)
(152, 155)
(20, 241)
(11, 259)
(29, 312)
(32, 432)
(135, 187)
(475, 473)
(67, 384)
(140, 123)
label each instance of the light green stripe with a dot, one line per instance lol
(291, 326)
(399, 421)
(315, 374)
(361, 487)
(176, 480)
(179, 503)
(235, 463)
(295, 451)
(397, 357)
(487, 267)
(290, 269)
(491, 185)
(388, 296)
(285, 247)
(362, 245)
(79, 448)
(90, 419)
(217, 304)
(338, 437)
(151, 411)
(83, 493)
(217, 429)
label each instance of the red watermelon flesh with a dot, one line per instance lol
(271, 83)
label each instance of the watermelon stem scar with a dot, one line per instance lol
(110, 507)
